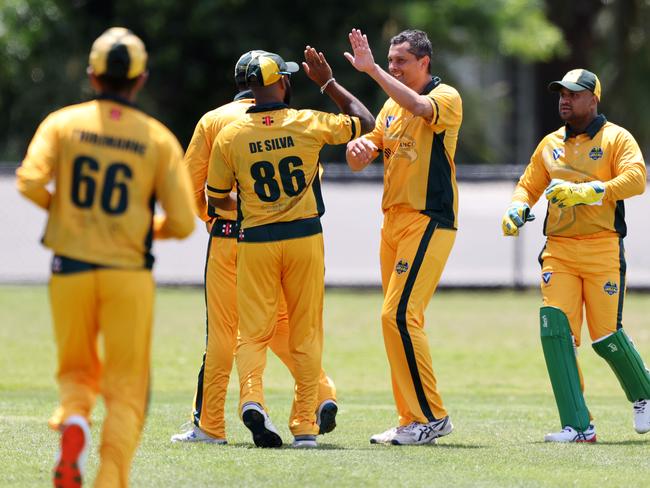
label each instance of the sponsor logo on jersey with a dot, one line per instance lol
(558, 152)
(402, 267)
(610, 288)
(387, 153)
(267, 120)
(596, 153)
(546, 277)
(389, 120)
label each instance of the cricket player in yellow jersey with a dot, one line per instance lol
(416, 131)
(586, 169)
(208, 420)
(272, 155)
(110, 163)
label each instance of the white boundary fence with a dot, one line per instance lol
(481, 256)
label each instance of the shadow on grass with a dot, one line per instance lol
(369, 447)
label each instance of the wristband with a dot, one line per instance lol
(322, 88)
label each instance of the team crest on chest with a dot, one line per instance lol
(402, 267)
(558, 152)
(389, 120)
(610, 288)
(596, 153)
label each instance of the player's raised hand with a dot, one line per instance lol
(316, 66)
(361, 58)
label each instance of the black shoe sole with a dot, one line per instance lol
(262, 437)
(328, 418)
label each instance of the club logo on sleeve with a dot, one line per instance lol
(389, 120)
(610, 288)
(596, 153)
(402, 267)
(558, 152)
(546, 277)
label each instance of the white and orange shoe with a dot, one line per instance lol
(71, 459)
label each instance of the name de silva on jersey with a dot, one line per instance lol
(270, 144)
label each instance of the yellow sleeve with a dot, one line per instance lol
(197, 158)
(534, 180)
(447, 107)
(377, 134)
(221, 176)
(39, 164)
(629, 169)
(336, 128)
(174, 192)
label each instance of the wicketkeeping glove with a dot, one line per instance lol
(518, 214)
(566, 194)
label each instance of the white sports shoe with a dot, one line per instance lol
(416, 433)
(569, 434)
(71, 459)
(196, 434)
(386, 436)
(642, 416)
(258, 422)
(304, 442)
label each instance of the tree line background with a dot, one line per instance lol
(194, 44)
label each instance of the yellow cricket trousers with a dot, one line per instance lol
(119, 305)
(413, 253)
(589, 273)
(222, 332)
(264, 271)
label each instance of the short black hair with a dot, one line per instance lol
(419, 43)
(111, 84)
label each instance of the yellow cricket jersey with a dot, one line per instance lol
(197, 156)
(272, 155)
(419, 169)
(604, 152)
(110, 164)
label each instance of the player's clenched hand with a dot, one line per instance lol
(361, 58)
(517, 214)
(359, 153)
(566, 194)
(316, 66)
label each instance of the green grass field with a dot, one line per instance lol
(486, 354)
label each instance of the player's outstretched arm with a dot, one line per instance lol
(318, 70)
(363, 60)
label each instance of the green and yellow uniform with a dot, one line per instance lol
(272, 155)
(221, 283)
(420, 205)
(110, 163)
(583, 261)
